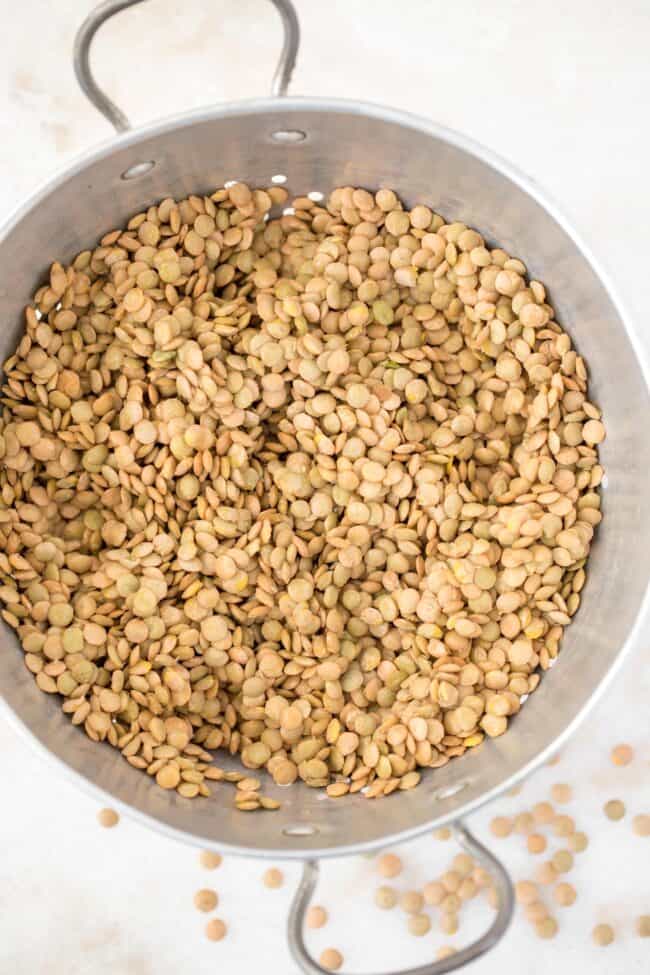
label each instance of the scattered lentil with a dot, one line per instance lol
(108, 818)
(562, 861)
(316, 917)
(216, 929)
(622, 754)
(526, 892)
(546, 928)
(536, 843)
(535, 911)
(564, 826)
(273, 878)
(412, 902)
(331, 959)
(564, 894)
(501, 826)
(578, 842)
(385, 897)
(419, 924)
(561, 792)
(614, 809)
(643, 926)
(641, 824)
(546, 873)
(389, 865)
(445, 951)
(603, 935)
(210, 860)
(206, 900)
(543, 813)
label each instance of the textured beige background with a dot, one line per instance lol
(561, 89)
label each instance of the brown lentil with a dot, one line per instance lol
(643, 926)
(385, 897)
(622, 754)
(614, 809)
(412, 902)
(216, 929)
(547, 928)
(419, 924)
(564, 894)
(526, 892)
(206, 900)
(389, 865)
(641, 824)
(316, 917)
(536, 843)
(546, 873)
(562, 861)
(603, 935)
(273, 878)
(578, 842)
(561, 792)
(501, 826)
(108, 818)
(210, 860)
(331, 959)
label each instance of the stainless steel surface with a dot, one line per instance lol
(104, 11)
(345, 142)
(503, 917)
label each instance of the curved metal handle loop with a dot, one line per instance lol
(462, 957)
(106, 10)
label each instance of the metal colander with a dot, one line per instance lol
(313, 145)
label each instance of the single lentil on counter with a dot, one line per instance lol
(317, 489)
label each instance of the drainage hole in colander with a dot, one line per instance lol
(448, 791)
(138, 169)
(300, 829)
(289, 135)
(316, 196)
(279, 178)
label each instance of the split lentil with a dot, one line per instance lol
(317, 490)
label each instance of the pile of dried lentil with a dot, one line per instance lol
(317, 489)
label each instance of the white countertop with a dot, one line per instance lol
(562, 91)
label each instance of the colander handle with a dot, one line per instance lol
(106, 10)
(494, 933)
